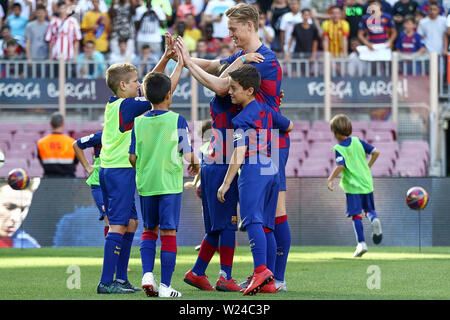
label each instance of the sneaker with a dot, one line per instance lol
(259, 280)
(112, 288)
(280, 285)
(361, 248)
(226, 285)
(149, 285)
(167, 292)
(377, 234)
(127, 285)
(269, 288)
(200, 282)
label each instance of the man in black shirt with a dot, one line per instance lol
(353, 14)
(306, 38)
(402, 9)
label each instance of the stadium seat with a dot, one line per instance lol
(360, 126)
(301, 125)
(388, 146)
(297, 135)
(359, 134)
(416, 145)
(305, 171)
(30, 137)
(35, 170)
(4, 146)
(320, 125)
(408, 163)
(6, 137)
(299, 148)
(92, 126)
(71, 127)
(315, 136)
(80, 172)
(384, 126)
(292, 167)
(410, 172)
(374, 137)
(37, 127)
(10, 128)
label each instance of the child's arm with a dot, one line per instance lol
(82, 158)
(253, 57)
(132, 158)
(169, 53)
(333, 176)
(194, 163)
(193, 183)
(375, 153)
(176, 74)
(218, 85)
(237, 159)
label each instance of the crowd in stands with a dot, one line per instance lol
(110, 31)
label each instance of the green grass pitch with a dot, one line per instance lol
(312, 273)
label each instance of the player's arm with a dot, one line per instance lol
(169, 53)
(218, 85)
(237, 159)
(253, 57)
(375, 154)
(337, 170)
(132, 152)
(176, 74)
(79, 153)
(194, 163)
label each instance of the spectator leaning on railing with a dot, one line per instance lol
(36, 47)
(17, 23)
(90, 63)
(335, 34)
(433, 29)
(12, 70)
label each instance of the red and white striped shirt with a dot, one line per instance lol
(62, 34)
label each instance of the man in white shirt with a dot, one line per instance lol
(215, 14)
(433, 30)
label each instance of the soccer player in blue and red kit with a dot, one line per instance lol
(220, 218)
(243, 22)
(258, 181)
(376, 27)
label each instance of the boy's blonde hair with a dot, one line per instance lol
(118, 72)
(341, 124)
(243, 13)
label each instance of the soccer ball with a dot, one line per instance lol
(417, 198)
(18, 179)
(2, 158)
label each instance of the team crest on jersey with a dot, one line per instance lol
(233, 219)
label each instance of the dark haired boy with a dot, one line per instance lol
(356, 179)
(258, 181)
(159, 141)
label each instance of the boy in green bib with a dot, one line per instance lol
(356, 179)
(160, 140)
(117, 176)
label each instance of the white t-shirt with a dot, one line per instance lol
(214, 8)
(287, 23)
(432, 32)
(149, 29)
(262, 36)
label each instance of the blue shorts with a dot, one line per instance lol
(96, 192)
(259, 186)
(359, 203)
(161, 210)
(118, 188)
(218, 216)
